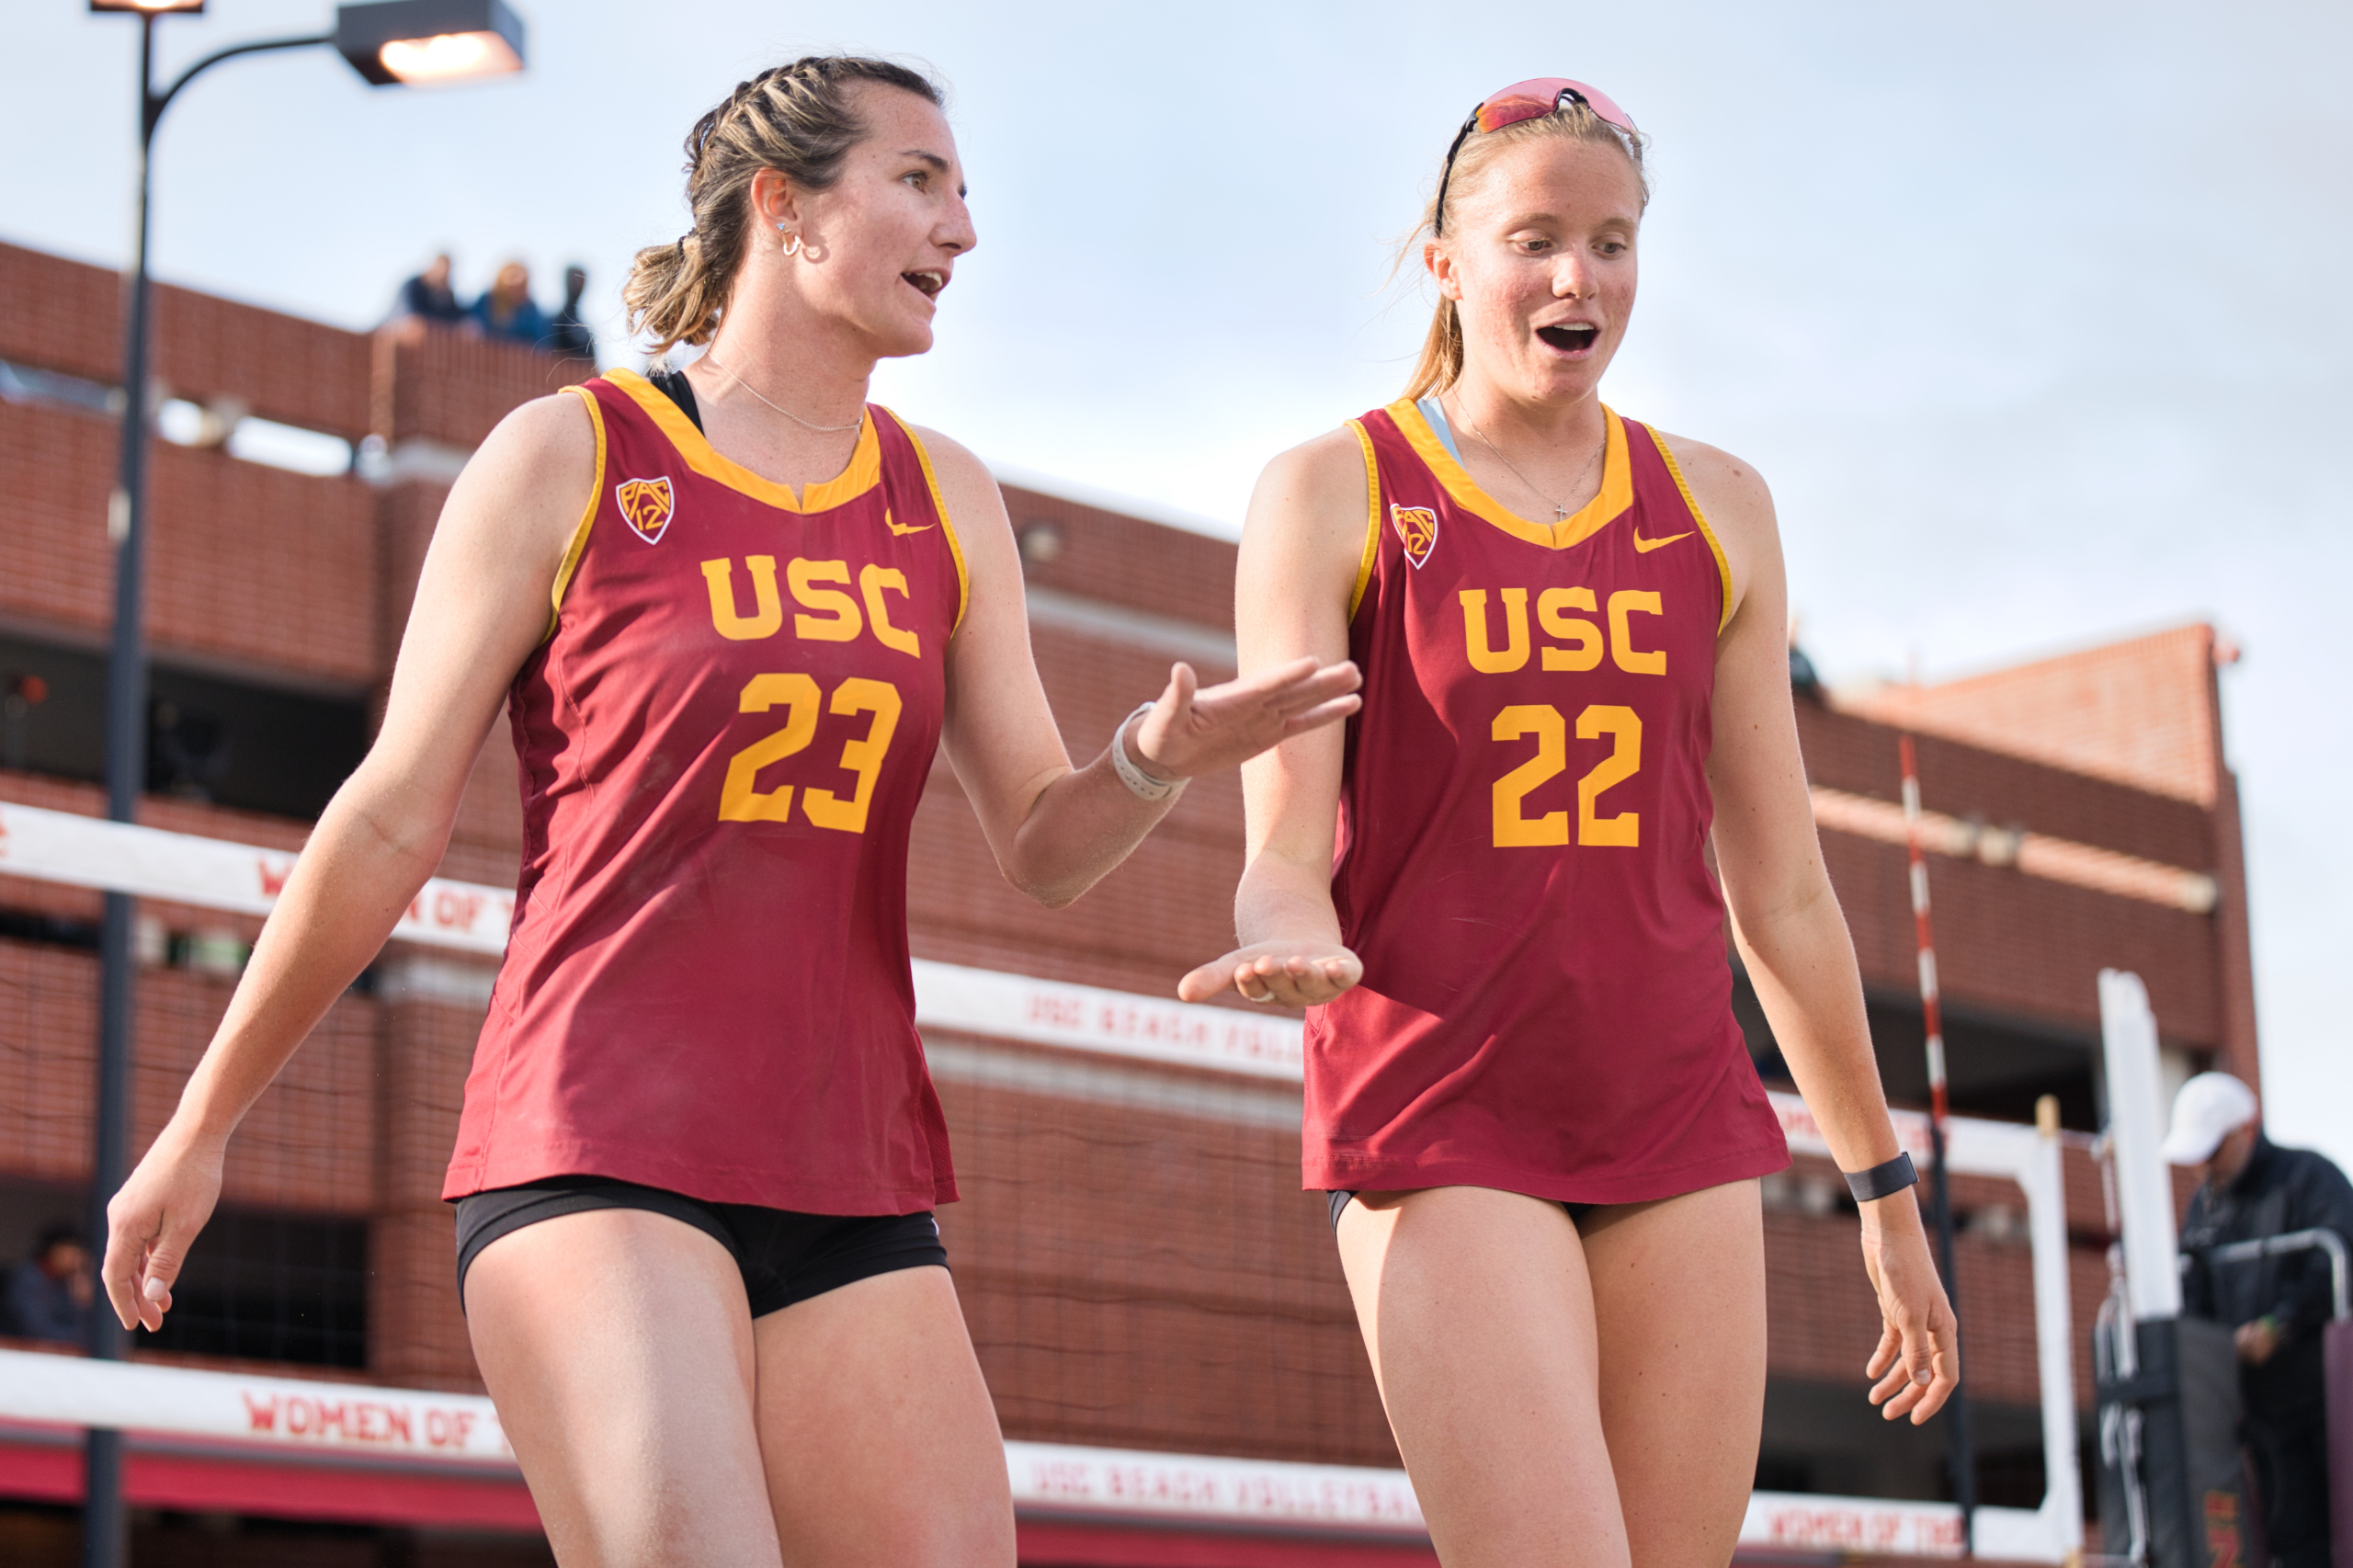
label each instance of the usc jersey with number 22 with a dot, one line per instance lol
(724, 740)
(1546, 1004)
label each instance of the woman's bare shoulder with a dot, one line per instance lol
(543, 450)
(1737, 507)
(1313, 496)
(966, 485)
(1305, 535)
(1328, 467)
(1729, 491)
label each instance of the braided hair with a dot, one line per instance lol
(794, 119)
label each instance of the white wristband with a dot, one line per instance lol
(1142, 785)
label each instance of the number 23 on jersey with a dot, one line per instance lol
(838, 621)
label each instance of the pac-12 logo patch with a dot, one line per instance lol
(645, 505)
(1417, 530)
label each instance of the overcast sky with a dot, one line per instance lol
(2032, 314)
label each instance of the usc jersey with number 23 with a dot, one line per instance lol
(1546, 1004)
(724, 740)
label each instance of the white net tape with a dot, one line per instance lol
(266, 1415)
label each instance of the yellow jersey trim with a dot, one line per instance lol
(947, 526)
(1372, 516)
(1724, 567)
(864, 473)
(1616, 495)
(571, 552)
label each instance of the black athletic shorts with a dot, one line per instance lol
(784, 1257)
(1339, 1200)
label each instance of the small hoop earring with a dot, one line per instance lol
(792, 247)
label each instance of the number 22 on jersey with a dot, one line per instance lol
(1513, 828)
(1623, 725)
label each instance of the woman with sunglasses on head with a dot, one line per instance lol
(1526, 1095)
(733, 613)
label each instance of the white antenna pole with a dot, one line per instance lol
(2136, 1127)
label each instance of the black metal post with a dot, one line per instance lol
(1964, 1451)
(104, 1536)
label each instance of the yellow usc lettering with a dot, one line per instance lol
(1632, 660)
(872, 581)
(1550, 607)
(836, 617)
(1584, 638)
(843, 624)
(767, 613)
(1483, 658)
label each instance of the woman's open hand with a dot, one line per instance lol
(1293, 973)
(151, 1222)
(1193, 729)
(1918, 1364)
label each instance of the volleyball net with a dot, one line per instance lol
(1155, 1302)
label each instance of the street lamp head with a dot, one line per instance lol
(422, 42)
(150, 7)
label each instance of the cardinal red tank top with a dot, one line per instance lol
(724, 740)
(1546, 1006)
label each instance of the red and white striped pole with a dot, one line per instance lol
(1964, 1463)
(1932, 1008)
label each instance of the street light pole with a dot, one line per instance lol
(104, 1542)
(489, 40)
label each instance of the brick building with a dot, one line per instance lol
(1138, 1266)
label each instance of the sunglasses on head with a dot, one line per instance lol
(1526, 100)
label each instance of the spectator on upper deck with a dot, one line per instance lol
(50, 1292)
(2251, 1189)
(428, 296)
(568, 334)
(507, 309)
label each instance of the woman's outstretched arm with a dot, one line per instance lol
(1056, 830)
(1793, 937)
(1301, 551)
(482, 605)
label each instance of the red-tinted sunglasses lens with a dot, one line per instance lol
(1541, 95)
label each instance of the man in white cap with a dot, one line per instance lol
(2249, 1188)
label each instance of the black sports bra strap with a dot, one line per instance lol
(680, 391)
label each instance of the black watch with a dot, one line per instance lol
(1882, 1181)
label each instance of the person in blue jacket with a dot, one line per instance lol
(508, 310)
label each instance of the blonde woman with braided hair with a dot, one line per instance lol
(732, 612)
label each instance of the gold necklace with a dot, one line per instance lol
(1559, 511)
(829, 430)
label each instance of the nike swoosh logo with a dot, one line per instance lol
(899, 528)
(1644, 546)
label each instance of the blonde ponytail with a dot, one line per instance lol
(1440, 364)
